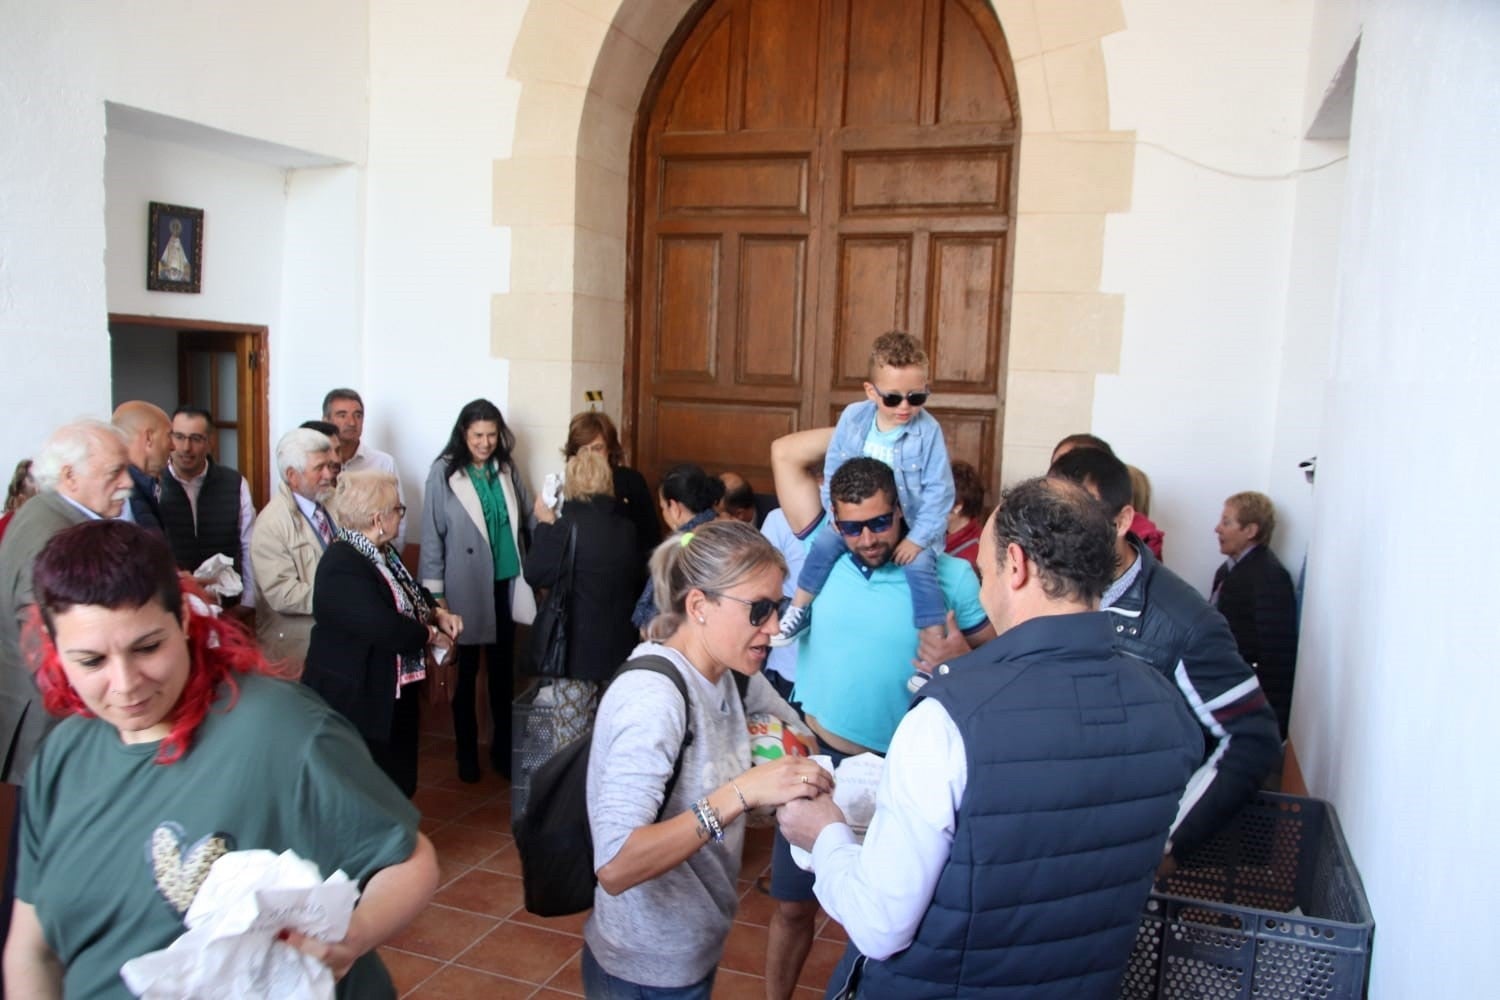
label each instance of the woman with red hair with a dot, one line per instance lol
(176, 748)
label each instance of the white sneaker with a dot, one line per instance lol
(793, 623)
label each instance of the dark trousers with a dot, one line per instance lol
(499, 679)
(397, 756)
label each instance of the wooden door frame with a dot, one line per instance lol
(253, 395)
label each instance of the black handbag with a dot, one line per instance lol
(547, 651)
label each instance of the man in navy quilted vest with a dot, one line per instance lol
(1027, 795)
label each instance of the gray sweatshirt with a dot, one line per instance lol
(668, 931)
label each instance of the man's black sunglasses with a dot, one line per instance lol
(877, 524)
(893, 399)
(761, 607)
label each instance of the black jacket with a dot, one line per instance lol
(635, 501)
(606, 579)
(356, 637)
(1161, 619)
(1259, 602)
(143, 504)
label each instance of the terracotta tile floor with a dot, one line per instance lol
(476, 939)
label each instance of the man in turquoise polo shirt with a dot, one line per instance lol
(852, 670)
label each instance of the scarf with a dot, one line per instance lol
(410, 600)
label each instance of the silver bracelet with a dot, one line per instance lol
(743, 804)
(708, 821)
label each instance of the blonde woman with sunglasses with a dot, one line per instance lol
(669, 779)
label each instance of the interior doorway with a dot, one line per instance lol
(220, 367)
(810, 174)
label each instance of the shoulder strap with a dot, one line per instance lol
(665, 667)
(566, 574)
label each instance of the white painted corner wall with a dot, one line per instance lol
(291, 72)
(1397, 685)
(1214, 94)
(244, 215)
(441, 113)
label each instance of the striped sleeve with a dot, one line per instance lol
(1244, 744)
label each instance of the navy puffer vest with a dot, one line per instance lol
(1077, 757)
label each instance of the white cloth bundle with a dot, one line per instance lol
(230, 948)
(218, 577)
(856, 780)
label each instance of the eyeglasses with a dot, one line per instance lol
(876, 524)
(893, 399)
(399, 510)
(179, 438)
(761, 607)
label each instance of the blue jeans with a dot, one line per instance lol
(928, 607)
(600, 985)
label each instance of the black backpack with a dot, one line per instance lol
(552, 835)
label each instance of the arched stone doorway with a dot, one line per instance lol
(810, 174)
(564, 191)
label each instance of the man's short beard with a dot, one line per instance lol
(887, 551)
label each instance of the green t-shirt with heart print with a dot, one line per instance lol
(113, 845)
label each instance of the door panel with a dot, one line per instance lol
(963, 316)
(811, 174)
(729, 186)
(781, 58)
(688, 297)
(873, 289)
(769, 346)
(883, 79)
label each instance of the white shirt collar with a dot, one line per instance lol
(303, 504)
(191, 479)
(86, 512)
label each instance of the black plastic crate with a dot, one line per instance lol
(1270, 909)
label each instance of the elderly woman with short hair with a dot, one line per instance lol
(373, 625)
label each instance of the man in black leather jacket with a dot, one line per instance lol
(1161, 619)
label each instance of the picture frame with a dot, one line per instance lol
(174, 249)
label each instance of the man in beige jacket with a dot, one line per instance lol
(286, 543)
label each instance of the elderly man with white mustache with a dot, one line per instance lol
(290, 534)
(82, 473)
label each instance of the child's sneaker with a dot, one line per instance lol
(793, 623)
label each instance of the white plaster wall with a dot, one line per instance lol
(1303, 371)
(1399, 617)
(1212, 91)
(289, 71)
(244, 206)
(317, 344)
(442, 112)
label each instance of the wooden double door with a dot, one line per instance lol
(811, 174)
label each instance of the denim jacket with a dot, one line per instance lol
(924, 479)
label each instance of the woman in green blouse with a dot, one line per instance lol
(475, 529)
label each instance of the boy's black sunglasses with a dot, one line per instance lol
(761, 607)
(893, 399)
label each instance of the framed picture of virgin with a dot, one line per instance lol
(174, 249)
